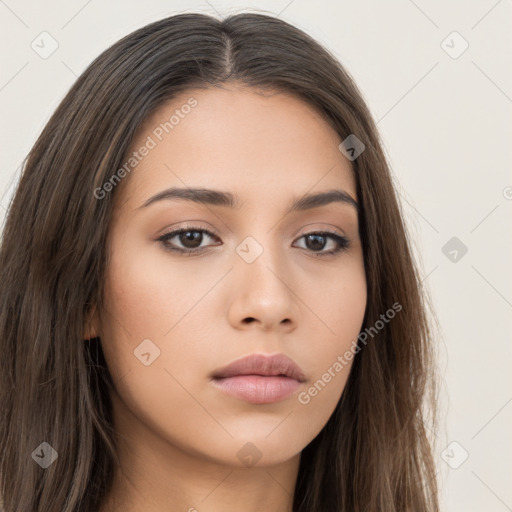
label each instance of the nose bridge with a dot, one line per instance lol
(259, 257)
(261, 229)
(261, 289)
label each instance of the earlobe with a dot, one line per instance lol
(91, 329)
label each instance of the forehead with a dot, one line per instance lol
(267, 144)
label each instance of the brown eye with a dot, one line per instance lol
(317, 241)
(188, 239)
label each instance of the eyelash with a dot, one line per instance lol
(343, 242)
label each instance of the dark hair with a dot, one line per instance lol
(373, 453)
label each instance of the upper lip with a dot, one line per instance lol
(261, 364)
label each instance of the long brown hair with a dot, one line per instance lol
(374, 452)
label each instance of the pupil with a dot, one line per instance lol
(194, 238)
(315, 241)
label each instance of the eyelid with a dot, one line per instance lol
(189, 226)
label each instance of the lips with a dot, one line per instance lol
(261, 364)
(259, 379)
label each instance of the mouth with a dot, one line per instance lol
(259, 379)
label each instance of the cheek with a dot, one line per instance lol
(340, 312)
(339, 306)
(151, 306)
(147, 305)
(147, 295)
(325, 354)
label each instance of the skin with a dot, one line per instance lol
(179, 435)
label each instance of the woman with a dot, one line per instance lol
(208, 297)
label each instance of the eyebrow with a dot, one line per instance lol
(228, 200)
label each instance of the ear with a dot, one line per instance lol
(92, 324)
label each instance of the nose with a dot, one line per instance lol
(262, 296)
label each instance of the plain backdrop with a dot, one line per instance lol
(437, 78)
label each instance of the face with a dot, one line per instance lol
(247, 275)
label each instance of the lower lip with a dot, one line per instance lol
(258, 389)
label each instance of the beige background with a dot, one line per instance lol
(444, 115)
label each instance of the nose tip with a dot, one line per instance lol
(261, 296)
